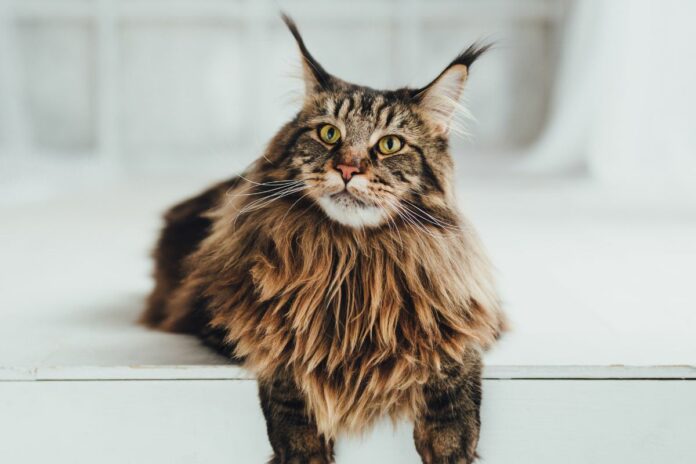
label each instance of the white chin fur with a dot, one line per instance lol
(348, 212)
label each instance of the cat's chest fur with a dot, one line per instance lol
(360, 320)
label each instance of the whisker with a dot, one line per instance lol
(410, 217)
(266, 191)
(432, 219)
(270, 182)
(267, 200)
(261, 202)
(389, 206)
(291, 207)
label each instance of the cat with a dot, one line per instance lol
(338, 269)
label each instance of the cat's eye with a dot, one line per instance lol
(389, 144)
(329, 134)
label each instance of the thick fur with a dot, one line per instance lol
(349, 323)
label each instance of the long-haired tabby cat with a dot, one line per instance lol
(338, 269)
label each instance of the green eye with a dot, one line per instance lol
(329, 134)
(389, 144)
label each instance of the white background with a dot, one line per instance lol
(165, 85)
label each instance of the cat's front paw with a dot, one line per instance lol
(446, 444)
(302, 459)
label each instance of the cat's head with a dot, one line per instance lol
(368, 157)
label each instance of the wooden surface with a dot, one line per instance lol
(210, 422)
(599, 366)
(593, 282)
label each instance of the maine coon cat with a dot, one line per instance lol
(338, 269)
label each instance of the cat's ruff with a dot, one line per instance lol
(329, 303)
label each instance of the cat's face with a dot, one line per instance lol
(367, 157)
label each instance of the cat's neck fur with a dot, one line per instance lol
(360, 317)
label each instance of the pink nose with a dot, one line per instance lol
(347, 171)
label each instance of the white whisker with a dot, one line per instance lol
(291, 207)
(268, 199)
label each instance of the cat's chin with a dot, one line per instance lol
(347, 210)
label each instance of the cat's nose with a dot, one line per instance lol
(347, 171)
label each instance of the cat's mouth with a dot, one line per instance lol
(345, 197)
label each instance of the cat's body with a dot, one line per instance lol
(340, 273)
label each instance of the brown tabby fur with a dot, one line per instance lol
(357, 323)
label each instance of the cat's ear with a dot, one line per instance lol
(440, 98)
(315, 77)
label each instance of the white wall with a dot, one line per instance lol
(127, 84)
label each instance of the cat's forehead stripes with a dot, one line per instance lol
(381, 110)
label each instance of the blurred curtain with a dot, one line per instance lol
(625, 101)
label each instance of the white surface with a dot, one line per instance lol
(211, 422)
(592, 282)
(597, 287)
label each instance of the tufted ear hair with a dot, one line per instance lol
(314, 75)
(440, 98)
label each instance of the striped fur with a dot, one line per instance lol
(363, 320)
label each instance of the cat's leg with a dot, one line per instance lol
(447, 430)
(292, 432)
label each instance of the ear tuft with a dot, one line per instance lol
(471, 54)
(315, 77)
(440, 98)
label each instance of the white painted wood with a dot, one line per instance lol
(209, 422)
(131, 422)
(572, 280)
(79, 377)
(218, 369)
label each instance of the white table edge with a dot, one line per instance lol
(231, 372)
